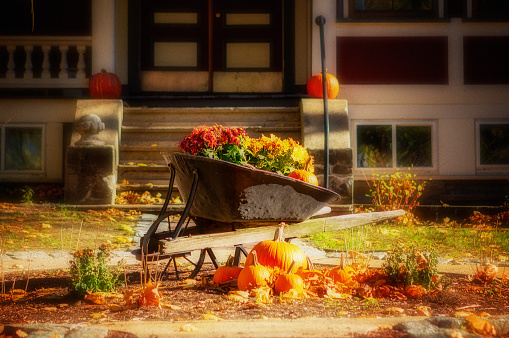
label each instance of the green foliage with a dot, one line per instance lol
(27, 195)
(400, 190)
(410, 265)
(90, 272)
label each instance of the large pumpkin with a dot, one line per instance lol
(105, 85)
(278, 253)
(315, 87)
(253, 275)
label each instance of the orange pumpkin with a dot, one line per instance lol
(315, 86)
(105, 85)
(278, 253)
(305, 174)
(288, 281)
(253, 275)
(340, 275)
(226, 272)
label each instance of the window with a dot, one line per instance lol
(395, 145)
(22, 147)
(493, 143)
(388, 10)
(488, 10)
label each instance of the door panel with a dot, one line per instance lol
(211, 46)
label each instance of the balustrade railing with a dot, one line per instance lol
(45, 62)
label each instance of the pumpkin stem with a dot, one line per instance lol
(255, 258)
(310, 264)
(229, 261)
(290, 269)
(308, 163)
(279, 235)
(342, 261)
(103, 70)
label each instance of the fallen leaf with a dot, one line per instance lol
(50, 308)
(170, 306)
(461, 314)
(46, 226)
(423, 310)
(479, 325)
(188, 328)
(394, 310)
(21, 333)
(456, 334)
(210, 316)
(96, 298)
(97, 315)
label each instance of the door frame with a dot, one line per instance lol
(134, 53)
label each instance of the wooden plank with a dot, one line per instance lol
(257, 234)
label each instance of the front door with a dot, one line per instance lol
(220, 46)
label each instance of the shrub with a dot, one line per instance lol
(409, 265)
(90, 272)
(399, 190)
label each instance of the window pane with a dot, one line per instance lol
(374, 146)
(23, 148)
(414, 146)
(412, 5)
(373, 5)
(494, 144)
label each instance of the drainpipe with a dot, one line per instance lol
(320, 21)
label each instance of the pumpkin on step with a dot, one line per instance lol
(315, 86)
(288, 281)
(105, 85)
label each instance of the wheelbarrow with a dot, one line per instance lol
(227, 204)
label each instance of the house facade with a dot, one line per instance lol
(426, 82)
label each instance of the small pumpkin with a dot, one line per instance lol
(105, 85)
(315, 86)
(288, 281)
(278, 253)
(226, 272)
(340, 275)
(305, 174)
(253, 275)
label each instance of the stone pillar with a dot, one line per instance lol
(340, 151)
(103, 34)
(92, 159)
(90, 175)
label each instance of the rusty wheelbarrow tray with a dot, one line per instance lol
(232, 204)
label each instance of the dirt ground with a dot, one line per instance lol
(47, 299)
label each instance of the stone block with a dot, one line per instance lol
(340, 172)
(90, 175)
(312, 119)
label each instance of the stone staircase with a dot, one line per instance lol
(146, 132)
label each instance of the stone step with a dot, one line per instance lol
(241, 116)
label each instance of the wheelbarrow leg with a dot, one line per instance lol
(201, 260)
(239, 249)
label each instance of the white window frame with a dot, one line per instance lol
(43, 146)
(393, 124)
(486, 167)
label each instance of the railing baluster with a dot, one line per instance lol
(81, 74)
(11, 65)
(64, 67)
(46, 74)
(28, 73)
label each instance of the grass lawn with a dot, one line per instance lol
(36, 227)
(445, 241)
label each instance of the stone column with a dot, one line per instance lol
(340, 152)
(103, 36)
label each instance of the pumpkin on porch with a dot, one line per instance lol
(105, 85)
(315, 87)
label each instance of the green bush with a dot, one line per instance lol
(90, 272)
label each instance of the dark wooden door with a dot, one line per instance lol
(211, 46)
